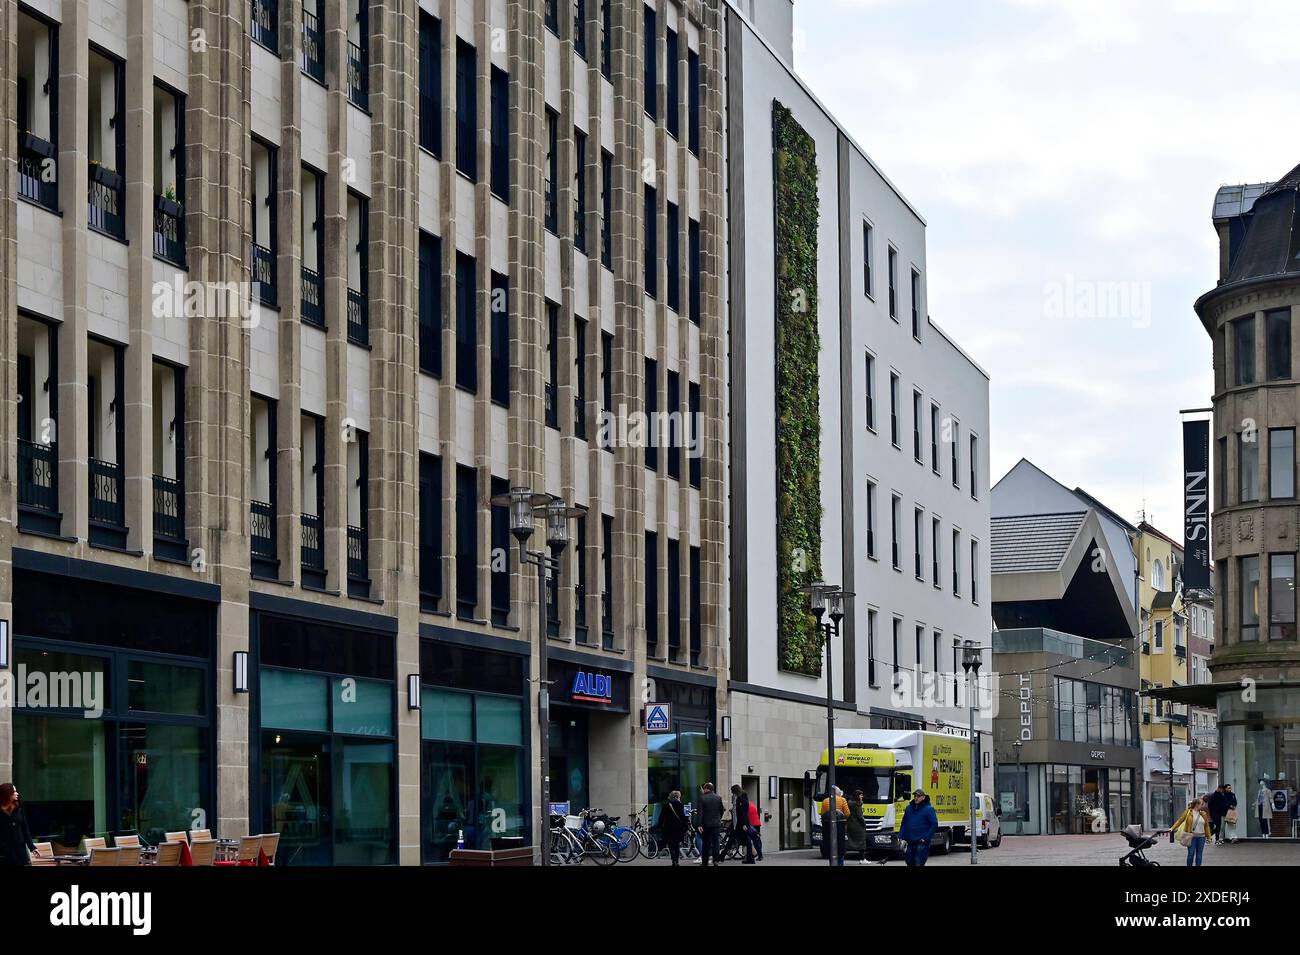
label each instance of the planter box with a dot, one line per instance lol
(492, 857)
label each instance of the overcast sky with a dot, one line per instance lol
(1061, 150)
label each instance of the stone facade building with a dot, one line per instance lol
(291, 289)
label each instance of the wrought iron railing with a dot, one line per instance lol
(107, 504)
(262, 529)
(358, 317)
(38, 475)
(358, 557)
(313, 298)
(169, 230)
(264, 25)
(168, 508)
(358, 76)
(37, 178)
(264, 274)
(106, 194)
(312, 56)
(313, 547)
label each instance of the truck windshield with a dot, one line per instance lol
(874, 782)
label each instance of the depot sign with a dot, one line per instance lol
(1025, 699)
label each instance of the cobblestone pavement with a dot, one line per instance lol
(1101, 850)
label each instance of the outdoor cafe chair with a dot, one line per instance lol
(200, 834)
(101, 856)
(203, 851)
(169, 854)
(270, 843)
(123, 841)
(176, 837)
(95, 842)
(247, 854)
(130, 855)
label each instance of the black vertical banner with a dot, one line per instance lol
(1196, 505)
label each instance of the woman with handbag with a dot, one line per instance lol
(1192, 829)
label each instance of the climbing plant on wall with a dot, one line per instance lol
(798, 419)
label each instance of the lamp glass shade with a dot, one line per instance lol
(835, 604)
(817, 597)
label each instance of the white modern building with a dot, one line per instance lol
(880, 484)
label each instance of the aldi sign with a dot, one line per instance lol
(658, 717)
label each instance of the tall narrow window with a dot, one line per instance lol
(934, 438)
(606, 209)
(500, 173)
(580, 191)
(651, 66)
(499, 565)
(265, 221)
(580, 378)
(358, 53)
(37, 109)
(580, 581)
(466, 110)
(868, 239)
(1221, 471)
(693, 102)
(697, 607)
(430, 557)
(500, 334)
(1281, 597)
(674, 599)
(466, 542)
(916, 427)
(974, 470)
(580, 28)
(956, 562)
(430, 298)
(169, 175)
(893, 284)
(312, 228)
(974, 571)
(934, 551)
(652, 593)
(673, 94)
(358, 269)
(693, 274)
(1248, 466)
(895, 517)
(552, 184)
(430, 83)
(1281, 463)
(1277, 325)
(1248, 590)
(552, 16)
(552, 365)
(871, 520)
(674, 430)
(1243, 350)
(106, 143)
(918, 516)
(893, 410)
(916, 304)
(871, 391)
(466, 323)
(954, 428)
(871, 648)
(918, 648)
(672, 241)
(607, 391)
(652, 414)
(607, 582)
(651, 242)
(694, 429)
(606, 38)
(898, 626)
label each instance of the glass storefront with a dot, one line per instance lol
(473, 753)
(326, 708)
(1260, 757)
(1061, 799)
(569, 758)
(110, 736)
(682, 758)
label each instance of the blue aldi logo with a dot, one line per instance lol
(657, 718)
(592, 687)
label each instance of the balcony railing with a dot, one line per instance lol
(262, 529)
(107, 505)
(1180, 650)
(313, 298)
(106, 201)
(264, 274)
(358, 317)
(313, 547)
(358, 558)
(358, 76)
(36, 171)
(264, 25)
(168, 508)
(169, 230)
(312, 57)
(38, 475)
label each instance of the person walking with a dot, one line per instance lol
(1192, 829)
(13, 845)
(673, 824)
(756, 828)
(920, 823)
(856, 828)
(835, 812)
(1228, 831)
(1214, 803)
(740, 822)
(711, 809)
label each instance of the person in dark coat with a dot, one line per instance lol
(13, 847)
(673, 824)
(711, 809)
(856, 830)
(740, 822)
(1228, 829)
(1214, 805)
(920, 823)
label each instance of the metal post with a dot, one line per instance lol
(1020, 809)
(972, 675)
(543, 706)
(1171, 774)
(831, 828)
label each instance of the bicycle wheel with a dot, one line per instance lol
(629, 844)
(603, 849)
(650, 847)
(562, 847)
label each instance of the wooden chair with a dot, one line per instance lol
(96, 842)
(248, 849)
(101, 856)
(130, 855)
(176, 837)
(203, 851)
(270, 843)
(169, 854)
(44, 854)
(123, 841)
(200, 834)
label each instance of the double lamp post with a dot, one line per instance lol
(827, 600)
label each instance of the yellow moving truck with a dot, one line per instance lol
(887, 765)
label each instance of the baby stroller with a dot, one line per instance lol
(1137, 842)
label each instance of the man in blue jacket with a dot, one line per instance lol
(919, 825)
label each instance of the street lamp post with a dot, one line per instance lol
(827, 600)
(525, 505)
(970, 662)
(1020, 811)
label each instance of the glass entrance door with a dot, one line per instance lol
(296, 770)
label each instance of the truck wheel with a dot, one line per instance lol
(945, 843)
